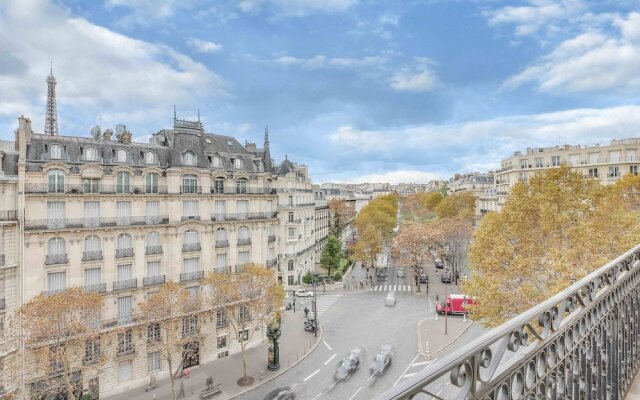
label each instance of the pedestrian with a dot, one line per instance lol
(306, 312)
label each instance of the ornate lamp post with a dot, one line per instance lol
(273, 334)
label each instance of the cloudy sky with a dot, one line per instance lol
(359, 90)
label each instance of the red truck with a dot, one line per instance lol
(455, 304)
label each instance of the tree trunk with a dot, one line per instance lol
(245, 376)
(67, 378)
(173, 378)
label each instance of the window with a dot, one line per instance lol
(218, 185)
(92, 350)
(90, 154)
(91, 185)
(57, 281)
(123, 212)
(56, 247)
(153, 212)
(216, 163)
(222, 342)
(121, 156)
(189, 157)
(631, 155)
(290, 201)
(244, 257)
(221, 260)
(56, 152)
(574, 159)
(292, 233)
(593, 172)
(194, 291)
(290, 216)
(124, 242)
(189, 325)
(124, 272)
(555, 161)
(91, 213)
(152, 183)
(241, 186)
(56, 181)
(594, 158)
(190, 209)
(122, 182)
(633, 169)
(290, 265)
(242, 207)
(290, 280)
(614, 171)
(243, 233)
(155, 362)
(56, 212)
(56, 358)
(125, 371)
(153, 268)
(539, 162)
(190, 265)
(523, 163)
(125, 341)
(149, 158)
(243, 336)
(237, 163)
(190, 237)
(124, 309)
(190, 184)
(153, 243)
(153, 332)
(92, 276)
(523, 176)
(221, 318)
(614, 156)
(243, 313)
(92, 245)
(221, 234)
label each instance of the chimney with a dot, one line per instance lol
(126, 137)
(107, 135)
(23, 137)
(250, 147)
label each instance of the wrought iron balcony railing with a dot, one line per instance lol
(244, 191)
(70, 223)
(222, 243)
(153, 280)
(56, 259)
(125, 284)
(150, 250)
(2, 260)
(189, 217)
(8, 215)
(98, 288)
(271, 238)
(579, 344)
(190, 189)
(121, 253)
(272, 263)
(191, 276)
(187, 247)
(243, 216)
(92, 255)
(3, 304)
(92, 188)
(244, 242)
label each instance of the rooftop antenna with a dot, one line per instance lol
(174, 114)
(198, 114)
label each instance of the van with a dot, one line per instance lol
(455, 304)
(390, 300)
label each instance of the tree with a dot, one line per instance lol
(331, 254)
(455, 239)
(341, 215)
(412, 246)
(246, 300)
(380, 213)
(431, 200)
(553, 230)
(170, 322)
(458, 205)
(368, 245)
(63, 333)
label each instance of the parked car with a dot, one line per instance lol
(349, 365)
(446, 277)
(439, 263)
(283, 393)
(303, 293)
(382, 360)
(424, 278)
(400, 273)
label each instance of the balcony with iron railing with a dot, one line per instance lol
(190, 189)
(7, 215)
(3, 304)
(223, 270)
(244, 191)
(92, 255)
(126, 349)
(153, 280)
(579, 344)
(53, 259)
(244, 242)
(191, 276)
(188, 247)
(271, 238)
(151, 250)
(248, 216)
(125, 284)
(190, 217)
(222, 244)
(73, 223)
(98, 288)
(2, 260)
(92, 188)
(122, 253)
(272, 263)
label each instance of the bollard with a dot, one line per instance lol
(436, 315)
(261, 374)
(464, 317)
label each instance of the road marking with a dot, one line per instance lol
(407, 376)
(330, 358)
(448, 383)
(328, 347)
(438, 394)
(354, 395)
(405, 371)
(321, 393)
(370, 377)
(422, 363)
(311, 376)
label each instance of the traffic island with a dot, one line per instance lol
(431, 335)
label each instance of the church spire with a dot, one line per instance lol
(51, 117)
(266, 157)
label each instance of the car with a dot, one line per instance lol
(439, 263)
(445, 277)
(382, 360)
(390, 301)
(349, 365)
(283, 393)
(303, 293)
(424, 278)
(401, 273)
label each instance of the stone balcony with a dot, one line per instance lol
(191, 276)
(125, 284)
(220, 244)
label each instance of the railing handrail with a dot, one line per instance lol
(64, 223)
(590, 285)
(100, 188)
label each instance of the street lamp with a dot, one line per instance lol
(315, 312)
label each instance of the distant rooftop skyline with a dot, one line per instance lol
(359, 91)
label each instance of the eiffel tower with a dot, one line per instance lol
(51, 118)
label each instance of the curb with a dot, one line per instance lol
(282, 371)
(419, 335)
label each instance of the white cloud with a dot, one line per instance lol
(204, 46)
(98, 70)
(322, 61)
(419, 78)
(591, 61)
(297, 8)
(395, 177)
(538, 15)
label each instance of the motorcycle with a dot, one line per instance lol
(288, 307)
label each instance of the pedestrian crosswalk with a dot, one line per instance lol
(324, 303)
(391, 288)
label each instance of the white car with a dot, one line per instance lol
(303, 293)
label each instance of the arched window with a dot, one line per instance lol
(56, 251)
(221, 234)
(122, 182)
(238, 163)
(149, 158)
(90, 154)
(241, 185)
(92, 248)
(56, 181)
(125, 241)
(267, 185)
(153, 243)
(243, 233)
(218, 185)
(216, 163)
(190, 184)
(56, 151)
(190, 240)
(122, 156)
(189, 157)
(152, 182)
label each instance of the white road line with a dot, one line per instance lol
(408, 366)
(327, 344)
(422, 363)
(321, 393)
(370, 377)
(407, 376)
(354, 395)
(330, 358)
(448, 383)
(311, 376)
(438, 394)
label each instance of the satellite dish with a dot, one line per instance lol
(95, 132)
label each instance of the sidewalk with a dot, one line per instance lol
(431, 337)
(295, 344)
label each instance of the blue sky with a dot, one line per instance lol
(358, 90)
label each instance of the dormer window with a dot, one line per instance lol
(216, 163)
(149, 158)
(189, 157)
(122, 156)
(56, 151)
(90, 154)
(238, 163)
